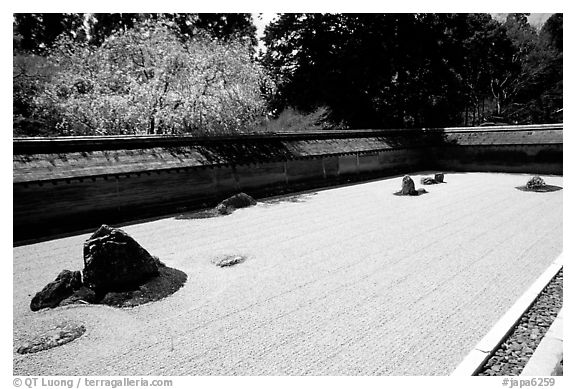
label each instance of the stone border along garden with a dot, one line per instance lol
(513, 354)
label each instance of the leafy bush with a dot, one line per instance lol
(148, 80)
(292, 120)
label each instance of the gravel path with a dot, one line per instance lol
(347, 281)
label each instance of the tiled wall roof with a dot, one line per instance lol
(39, 159)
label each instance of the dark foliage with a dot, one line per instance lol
(328, 70)
(416, 70)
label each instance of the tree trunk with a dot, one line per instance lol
(151, 129)
(479, 115)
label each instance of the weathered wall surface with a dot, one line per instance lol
(64, 185)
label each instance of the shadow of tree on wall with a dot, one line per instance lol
(244, 152)
(417, 138)
(247, 151)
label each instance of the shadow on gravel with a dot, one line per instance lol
(203, 214)
(542, 189)
(166, 283)
(417, 192)
(299, 198)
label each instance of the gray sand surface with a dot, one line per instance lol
(348, 281)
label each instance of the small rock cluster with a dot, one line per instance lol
(516, 350)
(116, 270)
(535, 183)
(438, 178)
(240, 200)
(226, 207)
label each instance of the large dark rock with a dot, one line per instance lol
(114, 261)
(408, 187)
(52, 294)
(439, 177)
(241, 200)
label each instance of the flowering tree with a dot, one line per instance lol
(149, 80)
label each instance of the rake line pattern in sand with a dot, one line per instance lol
(353, 280)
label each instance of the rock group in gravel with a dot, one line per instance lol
(54, 337)
(408, 188)
(513, 354)
(240, 200)
(226, 207)
(437, 179)
(537, 184)
(117, 271)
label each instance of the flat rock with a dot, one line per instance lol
(54, 337)
(229, 260)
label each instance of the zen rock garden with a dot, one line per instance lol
(534, 184)
(117, 271)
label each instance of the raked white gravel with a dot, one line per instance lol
(344, 281)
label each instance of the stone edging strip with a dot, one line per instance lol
(549, 352)
(476, 359)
